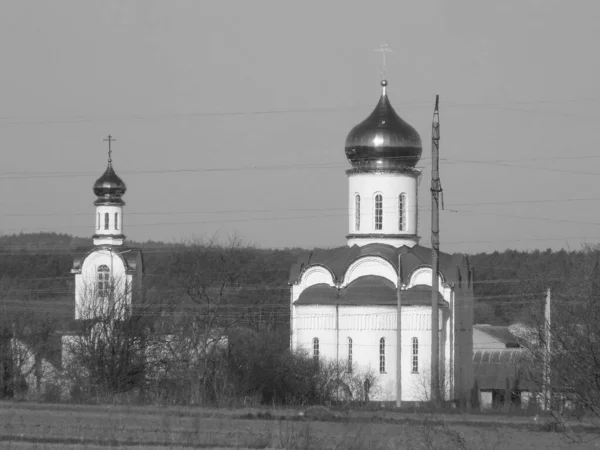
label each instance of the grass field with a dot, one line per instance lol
(40, 426)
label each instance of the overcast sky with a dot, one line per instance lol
(191, 86)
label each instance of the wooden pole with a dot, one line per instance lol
(436, 190)
(399, 335)
(547, 353)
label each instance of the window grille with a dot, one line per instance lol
(349, 355)
(379, 212)
(415, 355)
(402, 212)
(357, 212)
(382, 355)
(103, 281)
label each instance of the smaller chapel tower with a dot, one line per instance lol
(383, 182)
(108, 275)
(109, 189)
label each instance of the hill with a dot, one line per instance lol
(35, 271)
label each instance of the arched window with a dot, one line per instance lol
(402, 212)
(103, 281)
(316, 350)
(415, 355)
(357, 212)
(382, 355)
(106, 221)
(116, 221)
(98, 222)
(379, 212)
(349, 355)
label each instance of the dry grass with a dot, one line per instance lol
(90, 427)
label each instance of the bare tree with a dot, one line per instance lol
(107, 353)
(205, 304)
(571, 355)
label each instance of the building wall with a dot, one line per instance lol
(456, 336)
(111, 235)
(390, 186)
(366, 326)
(87, 300)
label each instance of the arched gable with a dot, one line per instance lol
(370, 265)
(316, 274)
(113, 260)
(422, 275)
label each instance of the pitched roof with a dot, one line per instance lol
(501, 333)
(499, 369)
(338, 259)
(367, 290)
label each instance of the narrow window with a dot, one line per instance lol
(116, 221)
(382, 355)
(316, 350)
(349, 355)
(106, 221)
(378, 212)
(98, 222)
(415, 355)
(103, 280)
(357, 212)
(402, 212)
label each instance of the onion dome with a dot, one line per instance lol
(109, 188)
(383, 140)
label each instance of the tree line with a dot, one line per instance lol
(198, 293)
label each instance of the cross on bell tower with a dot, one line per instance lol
(383, 49)
(110, 140)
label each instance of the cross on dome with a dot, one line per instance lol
(383, 49)
(110, 140)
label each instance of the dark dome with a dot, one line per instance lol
(383, 140)
(109, 185)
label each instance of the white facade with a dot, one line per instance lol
(383, 207)
(103, 285)
(331, 327)
(109, 225)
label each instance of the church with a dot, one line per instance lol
(108, 276)
(344, 307)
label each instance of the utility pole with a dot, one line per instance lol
(547, 353)
(436, 190)
(399, 335)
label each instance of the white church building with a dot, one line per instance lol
(344, 300)
(108, 276)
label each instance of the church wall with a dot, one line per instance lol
(113, 228)
(366, 326)
(87, 299)
(390, 186)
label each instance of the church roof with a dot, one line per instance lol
(370, 290)
(338, 259)
(501, 333)
(383, 140)
(499, 369)
(129, 254)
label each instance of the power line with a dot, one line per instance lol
(15, 120)
(312, 166)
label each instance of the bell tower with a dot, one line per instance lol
(109, 189)
(383, 181)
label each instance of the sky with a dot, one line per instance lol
(231, 116)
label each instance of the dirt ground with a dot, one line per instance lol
(28, 426)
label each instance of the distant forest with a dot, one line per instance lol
(35, 270)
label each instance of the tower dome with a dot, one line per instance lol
(383, 140)
(109, 187)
